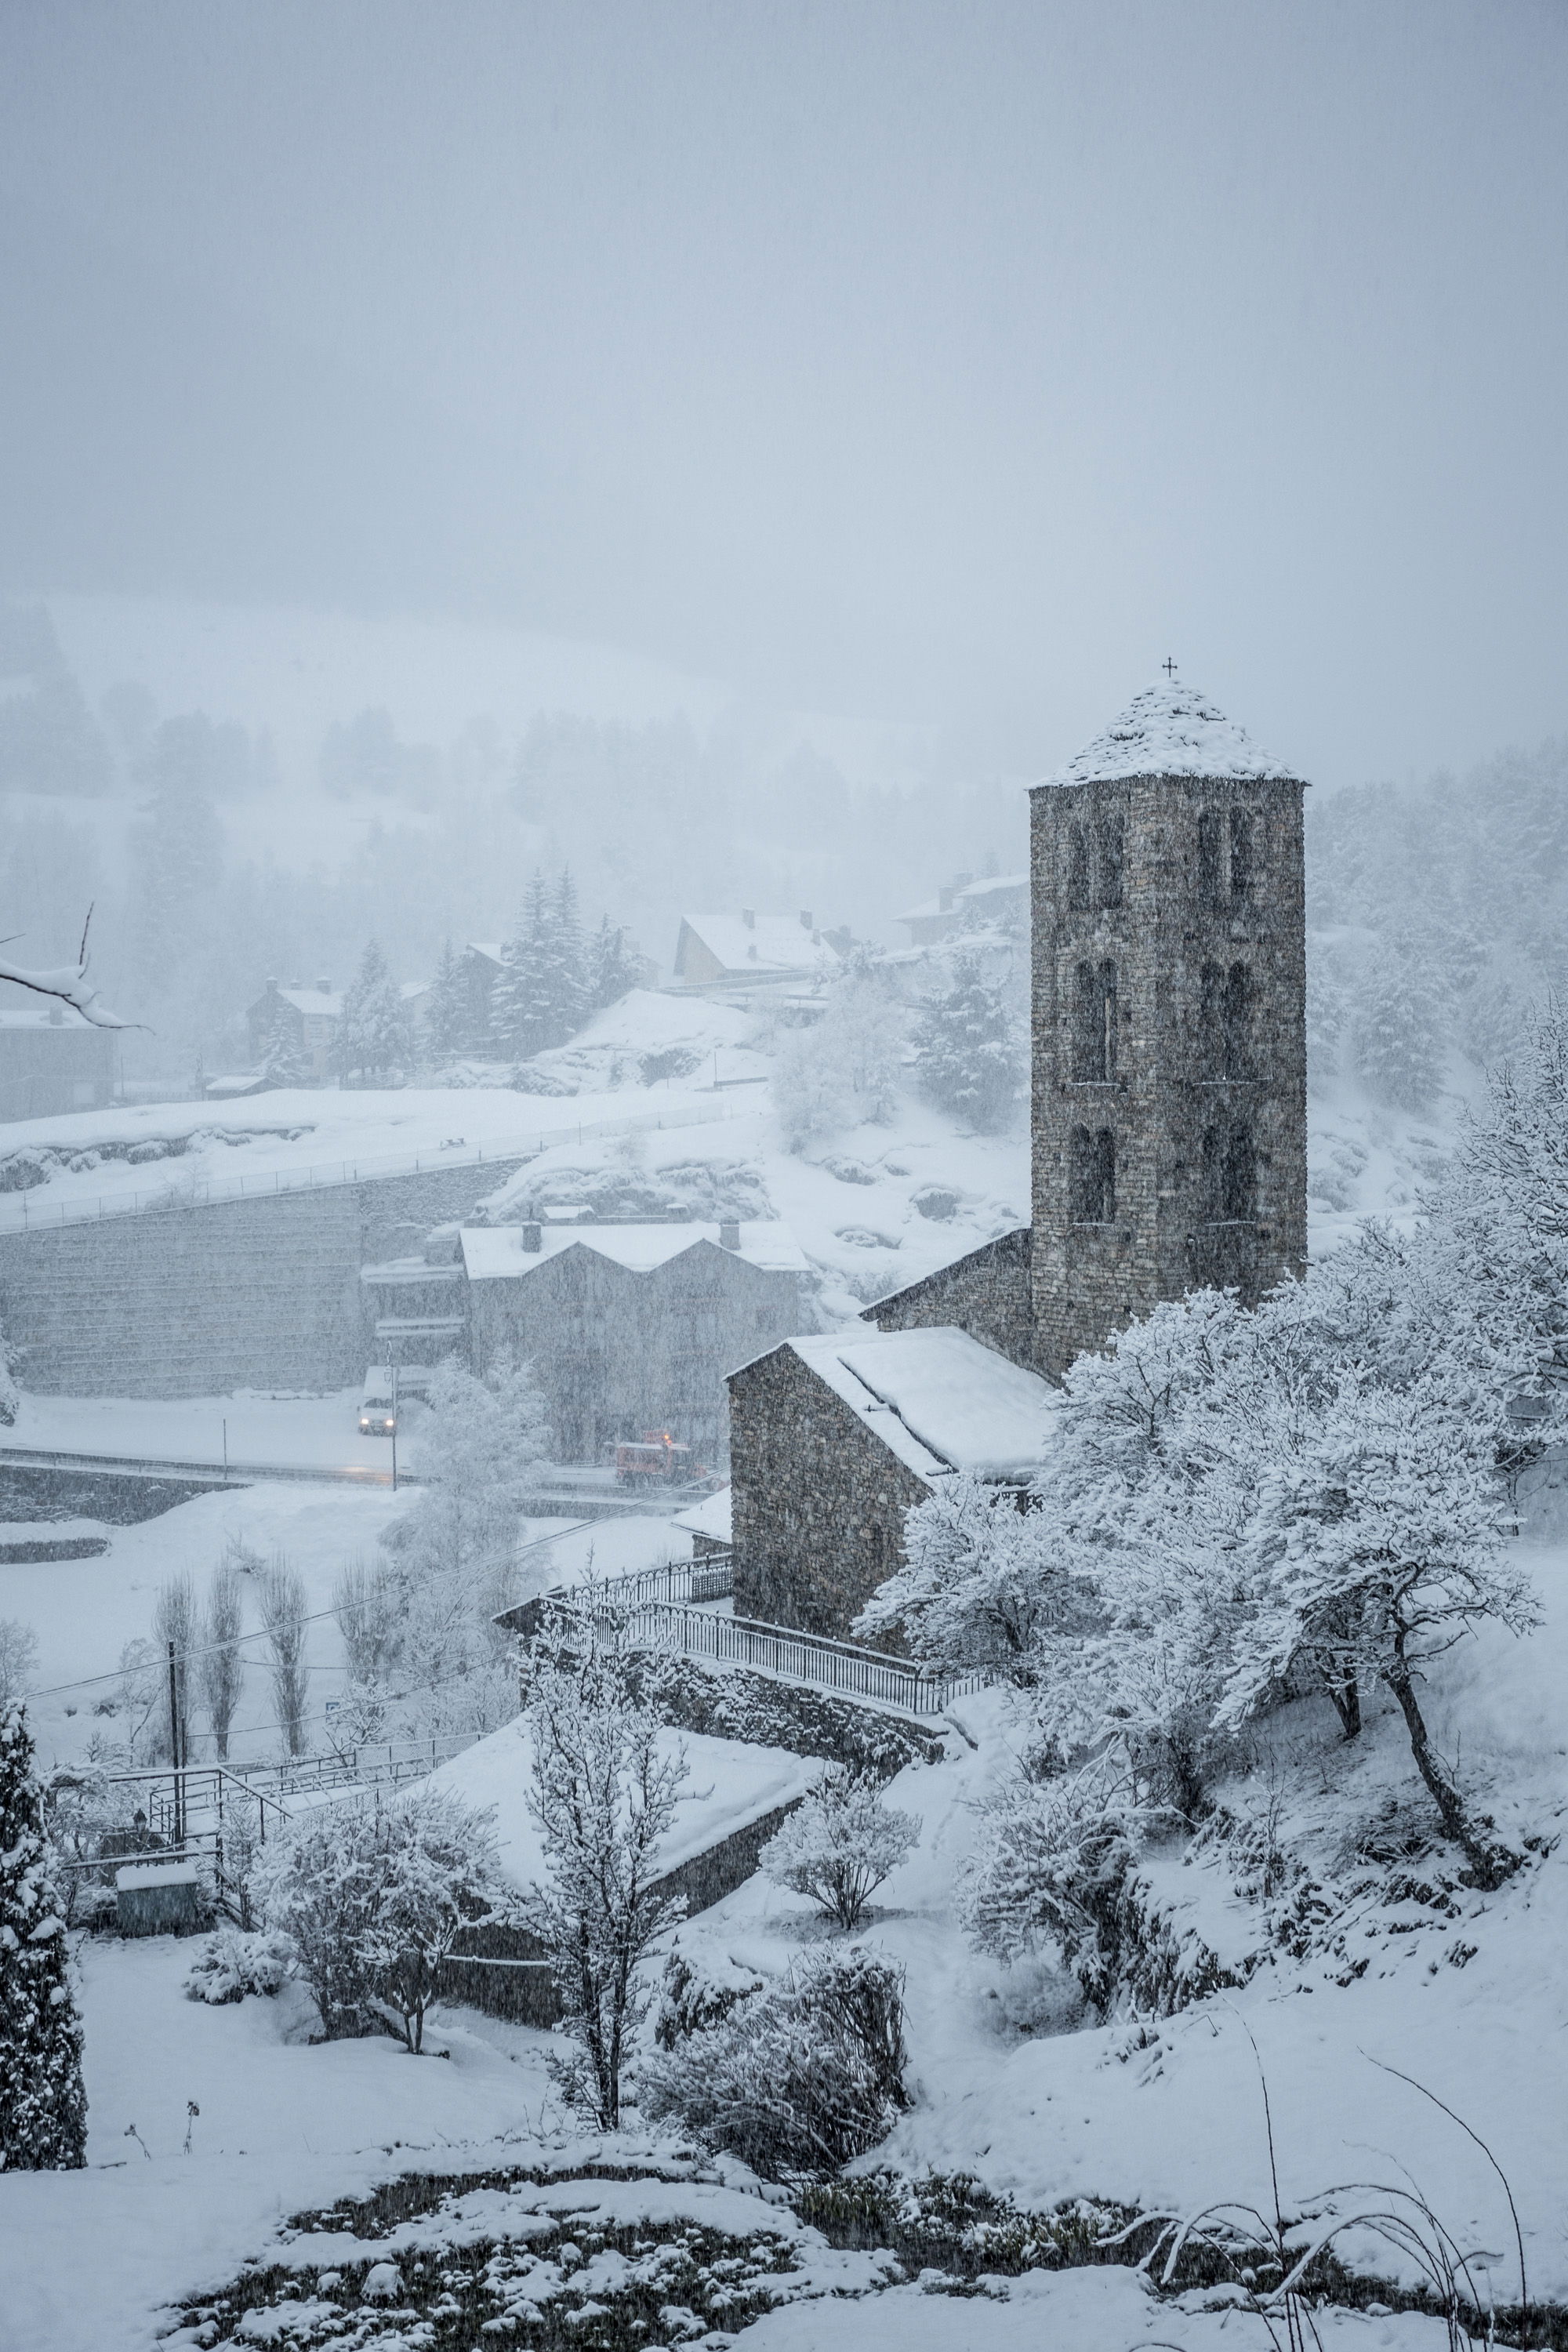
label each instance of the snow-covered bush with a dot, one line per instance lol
(845, 1067)
(799, 2078)
(232, 1963)
(89, 1819)
(370, 1903)
(43, 2106)
(604, 1798)
(839, 1845)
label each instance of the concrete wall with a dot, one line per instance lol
(256, 1292)
(818, 1501)
(1170, 1103)
(986, 1294)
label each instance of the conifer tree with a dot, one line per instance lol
(566, 962)
(520, 1002)
(371, 1041)
(967, 1047)
(43, 2105)
(447, 1007)
(614, 965)
(284, 1061)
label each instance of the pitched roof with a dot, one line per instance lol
(495, 1253)
(938, 1398)
(767, 943)
(1171, 730)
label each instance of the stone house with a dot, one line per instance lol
(966, 904)
(51, 1060)
(1168, 1118)
(310, 1014)
(835, 1436)
(633, 1326)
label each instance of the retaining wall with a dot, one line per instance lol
(196, 1301)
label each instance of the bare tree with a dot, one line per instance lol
(283, 1615)
(174, 1630)
(604, 1798)
(221, 1669)
(18, 1657)
(366, 1604)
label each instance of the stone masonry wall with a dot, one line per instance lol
(1165, 1103)
(987, 1293)
(255, 1293)
(818, 1501)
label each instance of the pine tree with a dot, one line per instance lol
(967, 1050)
(43, 2105)
(614, 965)
(567, 962)
(284, 1061)
(448, 1011)
(371, 1041)
(521, 1001)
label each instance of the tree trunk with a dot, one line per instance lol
(1345, 1692)
(1489, 1864)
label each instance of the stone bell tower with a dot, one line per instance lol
(1169, 1022)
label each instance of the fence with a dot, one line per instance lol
(17, 1214)
(661, 1609)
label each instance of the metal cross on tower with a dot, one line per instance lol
(1169, 667)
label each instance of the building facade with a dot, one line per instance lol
(633, 1328)
(53, 1061)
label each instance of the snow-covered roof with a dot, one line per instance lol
(64, 1016)
(496, 1253)
(709, 1517)
(320, 1003)
(767, 943)
(1171, 730)
(987, 885)
(729, 1783)
(938, 1398)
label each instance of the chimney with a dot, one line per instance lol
(729, 1236)
(325, 986)
(749, 917)
(806, 923)
(751, 952)
(533, 1239)
(272, 988)
(944, 898)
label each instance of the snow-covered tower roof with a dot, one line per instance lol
(1171, 730)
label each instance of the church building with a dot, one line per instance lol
(1168, 1116)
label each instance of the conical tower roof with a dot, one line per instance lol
(1171, 730)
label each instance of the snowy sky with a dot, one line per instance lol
(901, 357)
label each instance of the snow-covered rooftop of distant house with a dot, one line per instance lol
(938, 1398)
(490, 949)
(1171, 730)
(59, 1017)
(709, 1517)
(320, 1003)
(729, 1783)
(768, 943)
(972, 893)
(496, 1253)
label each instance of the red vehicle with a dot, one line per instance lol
(653, 1457)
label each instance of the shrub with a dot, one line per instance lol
(231, 1963)
(799, 2078)
(839, 1845)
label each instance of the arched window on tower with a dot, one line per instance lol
(1091, 1177)
(1110, 843)
(1094, 1024)
(1225, 1020)
(1225, 858)
(1080, 890)
(1230, 1174)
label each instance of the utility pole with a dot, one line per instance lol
(174, 1749)
(394, 1372)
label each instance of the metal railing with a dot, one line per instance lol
(18, 1215)
(661, 1609)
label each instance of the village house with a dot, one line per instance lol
(631, 1328)
(749, 951)
(966, 904)
(1168, 1135)
(51, 1060)
(835, 1437)
(308, 1015)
